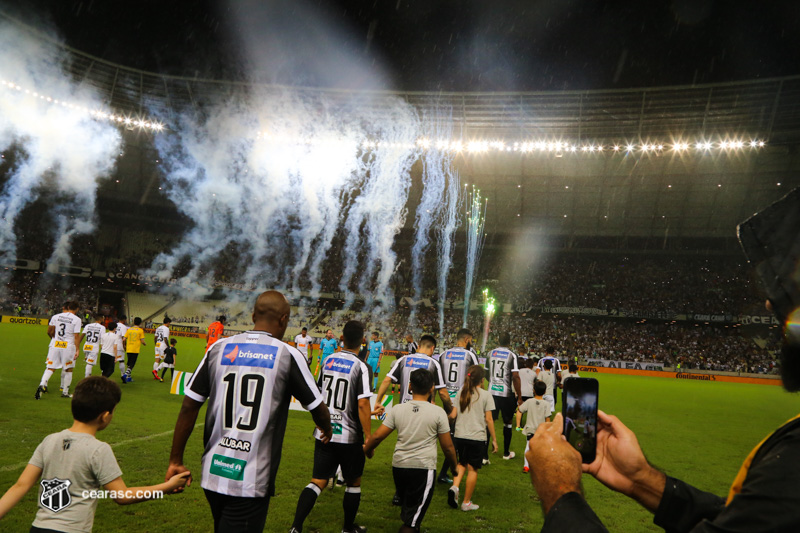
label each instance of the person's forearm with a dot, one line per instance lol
(322, 417)
(452, 458)
(517, 384)
(382, 390)
(365, 414)
(142, 494)
(446, 402)
(648, 489)
(11, 498)
(183, 430)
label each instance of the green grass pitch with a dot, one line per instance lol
(697, 431)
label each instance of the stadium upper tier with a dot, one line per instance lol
(765, 108)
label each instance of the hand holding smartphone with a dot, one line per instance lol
(579, 409)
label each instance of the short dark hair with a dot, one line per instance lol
(111, 326)
(98, 316)
(123, 317)
(505, 339)
(304, 329)
(377, 334)
(463, 333)
(74, 305)
(221, 318)
(353, 333)
(427, 340)
(550, 349)
(539, 388)
(528, 363)
(421, 381)
(548, 364)
(573, 368)
(167, 320)
(137, 321)
(94, 396)
(173, 340)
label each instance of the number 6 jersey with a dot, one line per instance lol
(249, 380)
(344, 380)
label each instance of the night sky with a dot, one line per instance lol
(431, 45)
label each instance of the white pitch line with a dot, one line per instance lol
(9, 468)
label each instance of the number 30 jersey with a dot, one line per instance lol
(344, 380)
(248, 380)
(455, 362)
(500, 366)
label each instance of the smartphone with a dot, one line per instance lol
(771, 241)
(579, 408)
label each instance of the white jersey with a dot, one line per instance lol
(162, 338)
(67, 325)
(93, 333)
(344, 380)
(501, 366)
(303, 343)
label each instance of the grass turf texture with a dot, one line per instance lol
(697, 431)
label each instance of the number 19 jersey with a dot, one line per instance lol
(248, 380)
(344, 380)
(455, 362)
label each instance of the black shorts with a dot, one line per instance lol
(236, 514)
(470, 452)
(414, 487)
(506, 405)
(328, 457)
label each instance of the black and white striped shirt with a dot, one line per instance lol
(248, 380)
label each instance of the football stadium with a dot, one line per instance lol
(239, 255)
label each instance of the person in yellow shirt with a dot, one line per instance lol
(133, 341)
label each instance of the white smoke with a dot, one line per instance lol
(58, 148)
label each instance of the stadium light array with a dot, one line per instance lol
(129, 122)
(526, 147)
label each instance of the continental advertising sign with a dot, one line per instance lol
(687, 376)
(24, 320)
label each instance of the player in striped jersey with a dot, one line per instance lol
(91, 348)
(161, 344)
(454, 363)
(401, 373)
(65, 330)
(248, 380)
(503, 372)
(550, 355)
(345, 385)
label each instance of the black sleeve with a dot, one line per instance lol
(769, 500)
(683, 507)
(572, 513)
(301, 382)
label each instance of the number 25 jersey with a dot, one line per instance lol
(248, 380)
(344, 380)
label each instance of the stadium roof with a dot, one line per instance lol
(657, 194)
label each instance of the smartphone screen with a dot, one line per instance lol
(580, 415)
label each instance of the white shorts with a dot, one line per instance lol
(549, 398)
(159, 352)
(61, 358)
(165, 365)
(120, 358)
(91, 357)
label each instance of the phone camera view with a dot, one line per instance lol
(580, 415)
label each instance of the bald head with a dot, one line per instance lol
(271, 313)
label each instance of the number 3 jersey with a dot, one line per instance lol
(344, 380)
(248, 380)
(501, 365)
(455, 362)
